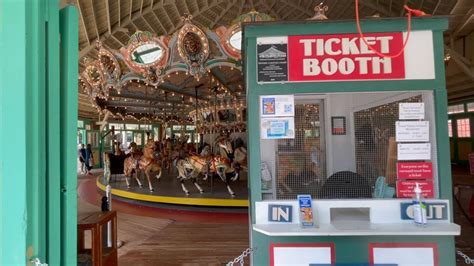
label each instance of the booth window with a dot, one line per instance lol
(463, 127)
(349, 165)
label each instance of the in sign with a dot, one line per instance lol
(280, 213)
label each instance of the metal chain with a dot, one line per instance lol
(37, 262)
(466, 258)
(240, 259)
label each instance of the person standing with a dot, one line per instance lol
(89, 159)
(82, 159)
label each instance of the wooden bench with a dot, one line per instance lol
(103, 251)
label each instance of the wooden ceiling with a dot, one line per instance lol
(114, 21)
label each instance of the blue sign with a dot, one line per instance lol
(280, 213)
(434, 210)
(306, 210)
(268, 106)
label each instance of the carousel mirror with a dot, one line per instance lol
(147, 54)
(235, 40)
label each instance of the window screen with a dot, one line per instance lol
(344, 164)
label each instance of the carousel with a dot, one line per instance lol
(192, 78)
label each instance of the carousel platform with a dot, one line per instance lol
(167, 190)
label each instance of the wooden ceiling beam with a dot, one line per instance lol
(383, 11)
(301, 9)
(95, 20)
(164, 30)
(223, 13)
(173, 27)
(117, 40)
(269, 9)
(119, 15)
(83, 22)
(149, 25)
(107, 10)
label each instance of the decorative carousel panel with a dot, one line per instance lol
(109, 63)
(147, 55)
(193, 47)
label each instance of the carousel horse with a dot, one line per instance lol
(194, 165)
(240, 158)
(145, 162)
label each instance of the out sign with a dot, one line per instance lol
(280, 213)
(434, 211)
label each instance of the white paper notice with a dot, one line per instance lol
(277, 128)
(277, 105)
(414, 152)
(412, 131)
(409, 111)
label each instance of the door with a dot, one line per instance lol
(38, 130)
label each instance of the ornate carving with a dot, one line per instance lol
(193, 47)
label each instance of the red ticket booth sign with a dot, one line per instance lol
(415, 170)
(345, 57)
(405, 189)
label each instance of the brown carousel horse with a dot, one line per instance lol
(145, 162)
(190, 167)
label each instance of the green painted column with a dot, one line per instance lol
(38, 119)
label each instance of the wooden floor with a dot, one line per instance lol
(172, 241)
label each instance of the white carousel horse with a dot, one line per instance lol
(146, 163)
(193, 165)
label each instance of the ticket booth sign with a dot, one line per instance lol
(415, 170)
(345, 57)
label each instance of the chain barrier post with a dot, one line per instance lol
(466, 258)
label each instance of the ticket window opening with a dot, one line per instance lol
(350, 145)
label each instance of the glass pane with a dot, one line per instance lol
(464, 129)
(456, 109)
(190, 127)
(450, 128)
(79, 137)
(155, 134)
(148, 127)
(131, 126)
(470, 107)
(176, 127)
(80, 124)
(117, 126)
(137, 138)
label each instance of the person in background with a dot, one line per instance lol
(82, 158)
(89, 159)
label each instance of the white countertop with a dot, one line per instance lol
(369, 229)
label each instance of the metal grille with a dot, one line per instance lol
(370, 150)
(301, 161)
(375, 145)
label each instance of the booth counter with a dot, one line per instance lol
(355, 130)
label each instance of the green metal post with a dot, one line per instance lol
(69, 28)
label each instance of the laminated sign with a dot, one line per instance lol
(306, 210)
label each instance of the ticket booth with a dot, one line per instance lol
(354, 129)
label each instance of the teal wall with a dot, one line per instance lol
(345, 245)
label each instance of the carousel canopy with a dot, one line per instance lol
(166, 60)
